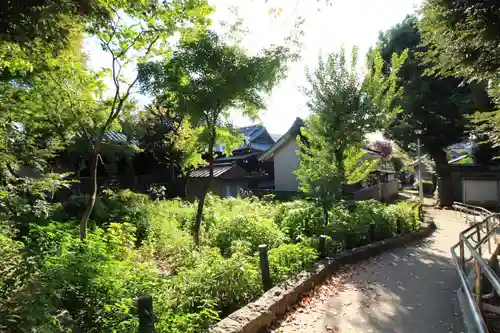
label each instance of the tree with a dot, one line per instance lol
(436, 106)
(133, 34)
(166, 135)
(463, 40)
(343, 110)
(210, 79)
(37, 113)
(33, 32)
(484, 152)
(383, 147)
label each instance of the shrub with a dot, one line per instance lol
(229, 283)
(249, 228)
(54, 282)
(300, 217)
(11, 269)
(166, 240)
(88, 286)
(289, 259)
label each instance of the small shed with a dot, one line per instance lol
(228, 180)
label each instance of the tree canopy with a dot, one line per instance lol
(343, 110)
(205, 80)
(438, 106)
(463, 40)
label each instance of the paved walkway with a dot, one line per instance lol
(409, 290)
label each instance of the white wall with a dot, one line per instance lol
(481, 192)
(286, 161)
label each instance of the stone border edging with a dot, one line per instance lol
(274, 303)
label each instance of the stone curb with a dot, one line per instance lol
(274, 303)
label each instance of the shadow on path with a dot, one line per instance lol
(409, 290)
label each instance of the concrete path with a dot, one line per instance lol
(409, 290)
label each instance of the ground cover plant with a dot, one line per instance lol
(53, 281)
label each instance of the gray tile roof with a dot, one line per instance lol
(219, 169)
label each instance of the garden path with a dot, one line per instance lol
(408, 290)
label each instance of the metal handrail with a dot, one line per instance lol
(470, 210)
(474, 297)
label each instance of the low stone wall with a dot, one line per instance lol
(369, 193)
(390, 190)
(274, 303)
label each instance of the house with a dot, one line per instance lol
(256, 141)
(228, 180)
(427, 168)
(237, 172)
(286, 160)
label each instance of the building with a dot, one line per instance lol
(285, 160)
(240, 171)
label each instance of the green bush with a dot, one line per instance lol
(166, 240)
(289, 259)
(300, 217)
(407, 215)
(228, 282)
(11, 269)
(53, 282)
(120, 206)
(88, 286)
(249, 228)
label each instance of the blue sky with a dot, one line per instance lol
(325, 27)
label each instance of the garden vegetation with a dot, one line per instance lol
(51, 281)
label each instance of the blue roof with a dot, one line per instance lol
(251, 133)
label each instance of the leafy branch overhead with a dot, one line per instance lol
(206, 80)
(463, 40)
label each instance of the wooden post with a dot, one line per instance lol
(399, 230)
(267, 282)
(372, 232)
(322, 246)
(145, 314)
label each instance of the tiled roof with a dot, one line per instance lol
(233, 158)
(291, 133)
(219, 169)
(117, 137)
(276, 137)
(251, 133)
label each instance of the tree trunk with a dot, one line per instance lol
(325, 212)
(92, 197)
(201, 202)
(339, 161)
(445, 187)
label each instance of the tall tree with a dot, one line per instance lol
(384, 147)
(484, 152)
(463, 39)
(33, 32)
(343, 110)
(167, 136)
(436, 106)
(133, 34)
(211, 79)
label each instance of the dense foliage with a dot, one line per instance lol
(206, 80)
(464, 39)
(343, 110)
(51, 281)
(438, 107)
